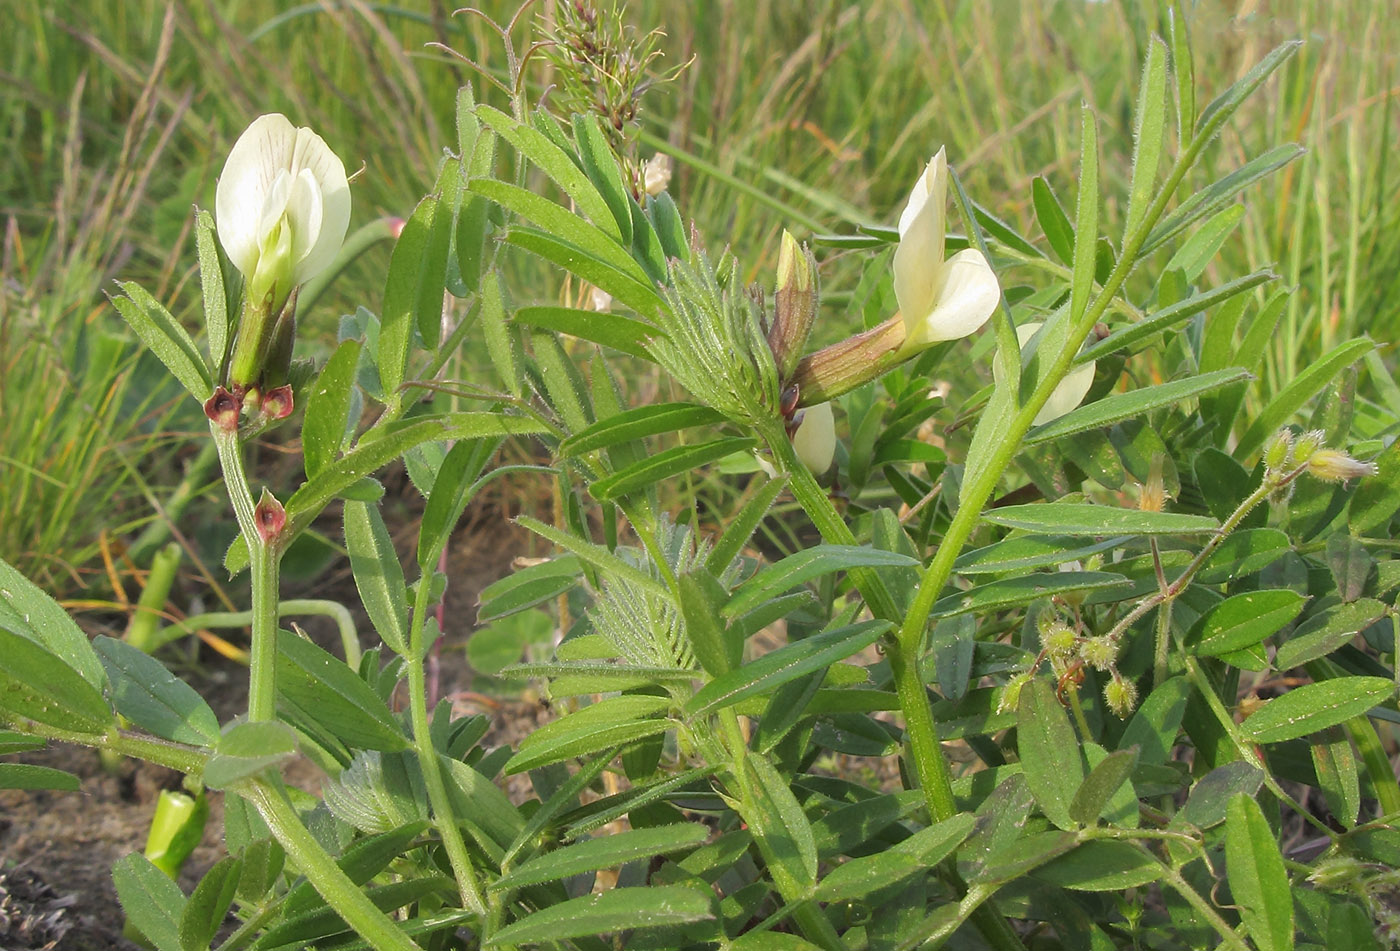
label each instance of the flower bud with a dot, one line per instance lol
(656, 174)
(795, 304)
(1058, 641)
(1276, 453)
(1307, 444)
(1154, 493)
(1121, 696)
(1099, 652)
(1333, 465)
(815, 438)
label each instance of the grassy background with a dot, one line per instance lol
(810, 116)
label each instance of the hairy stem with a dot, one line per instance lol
(262, 655)
(1230, 937)
(443, 814)
(337, 888)
(263, 562)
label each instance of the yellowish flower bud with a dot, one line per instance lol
(1307, 444)
(795, 305)
(1121, 696)
(1099, 652)
(1276, 453)
(1333, 465)
(656, 174)
(1058, 641)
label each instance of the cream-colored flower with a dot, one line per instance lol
(815, 439)
(1068, 393)
(656, 174)
(940, 299)
(282, 206)
(599, 300)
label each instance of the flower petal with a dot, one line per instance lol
(264, 149)
(1068, 394)
(965, 293)
(304, 210)
(932, 184)
(274, 206)
(313, 155)
(921, 240)
(815, 439)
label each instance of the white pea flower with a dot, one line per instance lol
(1068, 393)
(940, 299)
(815, 439)
(283, 192)
(282, 207)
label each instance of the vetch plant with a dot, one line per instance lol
(1160, 630)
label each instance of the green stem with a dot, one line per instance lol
(930, 766)
(262, 654)
(1161, 651)
(1244, 746)
(926, 753)
(443, 814)
(1183, 888)
(1174, 590)
(815, 925)
(344, 622)
(1082, 722)
(337, 888)
(189, 760)
(263, 562)
(246, 932)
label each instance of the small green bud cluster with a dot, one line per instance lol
(1069, 653)
(1120, 695)
(1286, 455)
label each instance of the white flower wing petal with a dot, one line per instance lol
(304, 209)
(264, 149)
(313, 155)
(1068, 394)
(965, 294)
